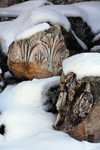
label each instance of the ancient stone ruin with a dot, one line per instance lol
(76, 102)
(39, 56)
(78, 107)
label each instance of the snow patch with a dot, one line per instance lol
(32, 30)
(96, 38)
(84, 64)
(18, 9)
(7, 74)
(44, 14)
(22, 108)
(95, 48)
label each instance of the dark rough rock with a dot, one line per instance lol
(4, 18)
(2, 129)
(6, 3)
(3, 61)
(8, 81)
(71, 43)
(39, 56)
(82, 31)
(96, 43)
(52, 97)
(57, 2)
(78, 107)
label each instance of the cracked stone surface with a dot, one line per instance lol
(78, 107)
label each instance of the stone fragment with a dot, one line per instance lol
(78, 107)
(39, 56)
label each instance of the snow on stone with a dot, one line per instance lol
(84, 64)
(44, 14)
(18, 9)
(32, 30)
(7, 74)
(88, 11)
(27, 21)
(40, 15)
(90, 14)
(95, 48)
(55, 14)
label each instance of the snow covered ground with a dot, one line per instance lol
(27, 125)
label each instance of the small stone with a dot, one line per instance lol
(39, 56)
(78, 107)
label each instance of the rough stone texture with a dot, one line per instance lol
(78, 107)
(82, 31)
(39, 56)
(71, 43)
(52, 97)
(6, 3)
(3, 61)
(68, 1)
(5, 18)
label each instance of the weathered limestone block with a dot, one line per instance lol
(78, 107)
(39, 56)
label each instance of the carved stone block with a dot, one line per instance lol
(39, 56)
